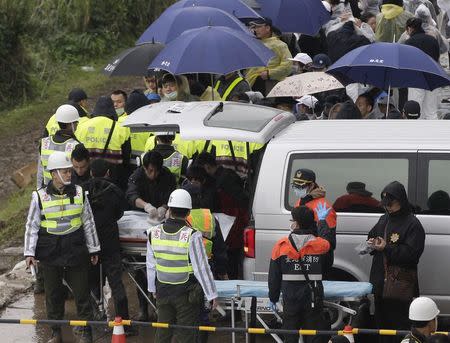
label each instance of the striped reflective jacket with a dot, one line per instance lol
(171, 252)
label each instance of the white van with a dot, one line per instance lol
(375, 152)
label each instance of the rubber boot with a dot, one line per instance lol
(85, 335)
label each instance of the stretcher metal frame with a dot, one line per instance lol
(249, 306)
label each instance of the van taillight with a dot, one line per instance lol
(249, 242)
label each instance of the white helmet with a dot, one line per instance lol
(58, 160)
(180, 198)
(67, 114)
(423, 309)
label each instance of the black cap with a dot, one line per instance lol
(320, 61)
(412, 109)
(104, 107)
(261, 21)
(77, 94)
(303, 177)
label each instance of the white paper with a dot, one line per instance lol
(226, 222)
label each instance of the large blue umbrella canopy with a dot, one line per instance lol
(302, 16)
(212, 50)
(235, 7)
(174, 21)
(392, 65)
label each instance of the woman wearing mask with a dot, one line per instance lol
(176, 88)
(397, 242)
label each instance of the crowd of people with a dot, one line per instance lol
(91, 169)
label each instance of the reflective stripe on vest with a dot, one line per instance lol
(48, 146)
(201, 219)
(173, 163)
(230, 88)
(172, 254)
(61, 214)
(298, 277)
(94, 134)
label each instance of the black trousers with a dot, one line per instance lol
(235, 263)
(111, 269)
(391, 314)
(77, 278)
(298, 315)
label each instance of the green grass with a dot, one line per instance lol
(13, 216)
(37, 111)
(33, 114)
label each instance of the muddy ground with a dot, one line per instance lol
(21, 148)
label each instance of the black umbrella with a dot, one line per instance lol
(133, 61)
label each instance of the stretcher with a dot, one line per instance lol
(251, 297)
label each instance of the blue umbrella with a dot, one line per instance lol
(212, 50)
(175, 21)
(386, 65)
(235, 7)
(302, 16)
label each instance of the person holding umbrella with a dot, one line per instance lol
(279, 67)
(429, 45)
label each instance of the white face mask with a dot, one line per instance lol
(65, 183)
(300, 192)
(172, 96)
(120, 111)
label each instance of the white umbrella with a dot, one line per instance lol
(303, 84)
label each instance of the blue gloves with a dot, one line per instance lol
(322, 211)
(273, 306)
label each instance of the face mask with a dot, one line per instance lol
(172, 96)
(120, 111)
(300, 192)
(295, 69)
(65, 183)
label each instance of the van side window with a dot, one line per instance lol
(353, 181)
(436, 200)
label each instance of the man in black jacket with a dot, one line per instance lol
(344, 40)
(149, 188)
(397, 239)
(418, 38)
(107, 203)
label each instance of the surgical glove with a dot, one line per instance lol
(148, 208)
(322, 211)
(273, 306)
(161, 212)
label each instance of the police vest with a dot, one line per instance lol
(202, 220)
(61, 214)
(229, 89)
(309, 264)
(137, 141)
(174, 163)
(49, 146)
(187, 148)
(172, 255)
(94, 135)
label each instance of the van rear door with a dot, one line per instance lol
(211, 120)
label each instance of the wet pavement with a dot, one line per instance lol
(32, 306)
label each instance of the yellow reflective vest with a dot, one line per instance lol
(61, 214)
(49, 146)
(202, 219)
(171, 252)
(94, 135)
(187, 148)
(230, 88)
(137, 141)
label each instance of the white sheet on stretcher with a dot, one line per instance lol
(333, 290)
(134, 224)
